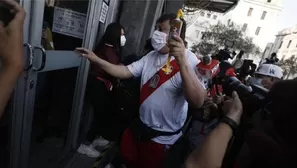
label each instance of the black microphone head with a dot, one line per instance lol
(206, 60)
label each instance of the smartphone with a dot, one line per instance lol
(176, 26)
(5, 15)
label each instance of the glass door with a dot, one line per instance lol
(55, 85)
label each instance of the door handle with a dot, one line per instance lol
(43, 57)
(30, 57)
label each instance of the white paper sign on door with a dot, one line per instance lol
(69, 22)
(103, 13)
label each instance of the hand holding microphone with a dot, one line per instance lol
(175, 42)
(177, 49)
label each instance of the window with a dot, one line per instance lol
(289, 44)
(250, 11)
(202, 14)
(244, 27)
(215, 17)
(258, 31)
(208, 15)
(197, 33)
(269, 1)
(263, 15)
(281, 44)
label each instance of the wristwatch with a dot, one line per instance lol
(230, 122)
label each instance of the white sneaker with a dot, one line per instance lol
(101, 142)
(88, 150)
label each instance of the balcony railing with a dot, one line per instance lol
(221, 6)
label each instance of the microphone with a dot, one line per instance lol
(208, 68)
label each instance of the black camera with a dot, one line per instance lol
(5, 14)
(253, 97)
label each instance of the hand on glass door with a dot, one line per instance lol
(87, 54)
(11, 51)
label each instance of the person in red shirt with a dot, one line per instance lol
(100, 90)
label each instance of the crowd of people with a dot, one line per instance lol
(159, 94)
(165, 100)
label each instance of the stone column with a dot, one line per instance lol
(171, 6)
(137, 16)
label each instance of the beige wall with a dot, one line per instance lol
(286, 51)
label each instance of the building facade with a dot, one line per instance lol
(285, 44)
(268, 51)
(256, 18)
(198, 22)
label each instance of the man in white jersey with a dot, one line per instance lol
(163, 99)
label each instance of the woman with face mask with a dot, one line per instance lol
(101, 90)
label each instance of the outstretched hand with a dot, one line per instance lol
(11, 43)
(233, 107)
(87, 54)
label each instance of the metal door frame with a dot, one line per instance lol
(113, 12)
(81, 80)
(34, 36)
(93, 25)
(35, 31)
(19, 98)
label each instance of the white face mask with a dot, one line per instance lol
(123, 40)
(159, 40)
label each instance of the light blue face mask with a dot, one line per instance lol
(255, 81)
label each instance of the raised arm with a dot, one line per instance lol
(193, 90)
(214, 147)
(11, 53)
(118, 71)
